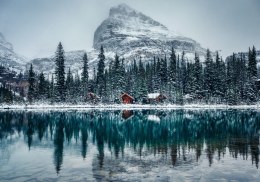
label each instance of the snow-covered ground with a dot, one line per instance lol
(124, 107)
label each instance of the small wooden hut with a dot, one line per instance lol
(156, 98)
(127, 99)
(93, 97)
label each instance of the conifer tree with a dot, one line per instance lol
(252, 63)
(32, 87)
(100, 72)
(60, 73)
(142, 90)
(208, 75)
(252, 75)
(51, 93)
(172, 67)
(42, 86)
(179, 84)
(69, 86)
(121, 78)
(84, 75)
(76, 89)
(116, 74)
(183, 73)
(197, 75)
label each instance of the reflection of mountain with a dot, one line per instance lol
(179, 139)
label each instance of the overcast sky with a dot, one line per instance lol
(35, 27)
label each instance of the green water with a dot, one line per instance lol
(145, 145)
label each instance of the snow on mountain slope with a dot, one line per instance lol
(9, 58)
(132, 34)
(73, 60)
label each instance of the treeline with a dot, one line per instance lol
(180, 80)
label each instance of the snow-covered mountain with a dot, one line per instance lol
(73, 60)
(9, 58)
(131, 35)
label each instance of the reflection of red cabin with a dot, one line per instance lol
(127, 99)
(126, 114)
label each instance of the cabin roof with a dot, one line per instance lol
(153, 95)
(127, 95)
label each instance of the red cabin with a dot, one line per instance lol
(127, 99)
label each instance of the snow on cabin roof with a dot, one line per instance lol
(153, 95)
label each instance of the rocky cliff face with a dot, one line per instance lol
(9, 58)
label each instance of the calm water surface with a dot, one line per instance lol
(147, 145)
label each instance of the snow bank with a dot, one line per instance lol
(123, 107)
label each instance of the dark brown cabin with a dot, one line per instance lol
(92, 97)
(156, 97)
(127, 99)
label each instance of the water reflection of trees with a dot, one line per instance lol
(165, 133)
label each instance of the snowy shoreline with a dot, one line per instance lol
(125, 107)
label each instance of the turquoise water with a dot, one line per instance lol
(145, 145)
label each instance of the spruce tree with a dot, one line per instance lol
(76, 89)
(183, 73)
(116, 75)
(142, 90)
(252, 75)
(208, 75)
(172, 67)
(32, 87)
(84, 76)
(52, 89)
(122, 76)
(252, 63)
(60, 73)
(179, 84)
(197, 75)
(100, 72)
(42, 87)
(69, 86)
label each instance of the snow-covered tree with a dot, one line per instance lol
(32, 84)
(60, 74)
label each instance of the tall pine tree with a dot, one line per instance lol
(84, 76)
(100, 72)
(32, 86)
(60, 74)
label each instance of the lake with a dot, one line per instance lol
(130, 145)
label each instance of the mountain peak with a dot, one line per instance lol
(121, 9)
(132, 34)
